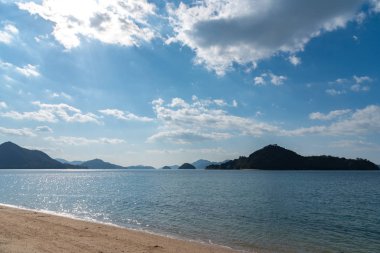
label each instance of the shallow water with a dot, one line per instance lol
(271, 211)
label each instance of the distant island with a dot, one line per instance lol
(274, 157)
(198, 164)
(186, 166)
(13, 156)
(271, 157)
(100, 164)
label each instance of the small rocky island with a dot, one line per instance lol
(274, 157)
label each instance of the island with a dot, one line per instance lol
(100, 164)
(186, 166)
(274, 157)
(13, 156)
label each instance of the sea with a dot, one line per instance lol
(248, 210)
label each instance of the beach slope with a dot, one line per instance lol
(25, 231)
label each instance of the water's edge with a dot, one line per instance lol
(73, 217)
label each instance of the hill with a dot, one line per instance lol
(186, 166)
(274, 157)
(100, 164)
(69, 162)
(140, 167)
(13, 156)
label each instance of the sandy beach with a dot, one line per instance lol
(23, 231)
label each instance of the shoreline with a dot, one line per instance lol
(26, 230)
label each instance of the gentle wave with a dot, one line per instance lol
(88, 219)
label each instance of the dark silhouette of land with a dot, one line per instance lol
(274, 157)
(13, 156)
(100, 164)
(186, 166)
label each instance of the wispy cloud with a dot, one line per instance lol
(360, 122)
(28, 70)
(52, 95)
(8, 33)
(200, 120)
(81, 141)
(53, 113)
(118, 114)
(269, 77)
(183, 136)
(354, 84)
(44, 129)
(355, 145)
(329, 116)
(3, 105)
(25, 132)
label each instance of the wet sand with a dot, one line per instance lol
(23, 231)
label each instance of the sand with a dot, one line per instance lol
(23, 231)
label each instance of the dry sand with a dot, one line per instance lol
(23, 231)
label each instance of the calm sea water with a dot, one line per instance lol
(263, 211)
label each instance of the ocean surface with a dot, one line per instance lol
(260, 211)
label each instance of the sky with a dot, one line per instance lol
(167, 82)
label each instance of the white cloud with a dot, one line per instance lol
(264, 78)
(80, 141)
(259, 80)
(44, 129)
(197, 121)
(3, 105)
(124, 115)
(183, 136)
(24, 132)
(53, 113)
(329, 116)
(362, 121)
(294, 60)
(123, 23)
(28, 70)
(375, 5)
(334, 92)
(222, 33)
(220, 102)
(196, 151)
(8, 33)
(234, 103)
(357, 87)
(355, 145)
(340, 81)
(52, 95)
(179, 102)
(201, 120)
(277, 80)
(355, 84)
(361, 83)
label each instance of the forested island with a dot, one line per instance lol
(274, 157)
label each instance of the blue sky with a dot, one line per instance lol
(167, 82)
